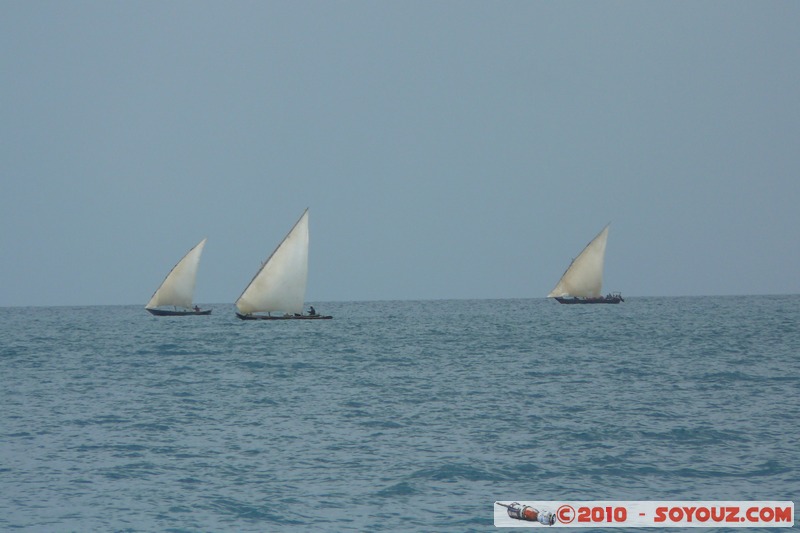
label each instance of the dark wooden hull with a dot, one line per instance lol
(600, 300)
(283, 317)
(167, 312)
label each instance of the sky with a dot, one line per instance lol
(445, 149)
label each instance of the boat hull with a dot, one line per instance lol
(283, 317)
(600, 300)
(167, 312)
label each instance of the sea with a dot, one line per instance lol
(394, 415)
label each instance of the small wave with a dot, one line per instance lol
(453, 472)
(381, 424)
(398, 489)
(695, 436)
(101, 420)
(117, 448)
(246, 511)
(139, 470)
(152, 427)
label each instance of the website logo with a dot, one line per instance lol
(640, 513)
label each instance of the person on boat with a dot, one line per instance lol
(196, 309)
(311, 310)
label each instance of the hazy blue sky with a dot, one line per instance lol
(446, 149)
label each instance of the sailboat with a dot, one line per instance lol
(279, 286)
(177, 289)
(582, 282)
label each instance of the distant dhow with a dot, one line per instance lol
(177, 289)
(582, 282)
(279, 286)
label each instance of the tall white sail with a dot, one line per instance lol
(280, 284)
(584, 277)
(177, 289)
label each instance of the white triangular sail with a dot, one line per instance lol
(280, 284)
(584, 276)
(177, 289)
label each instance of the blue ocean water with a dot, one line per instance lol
(393, 416)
